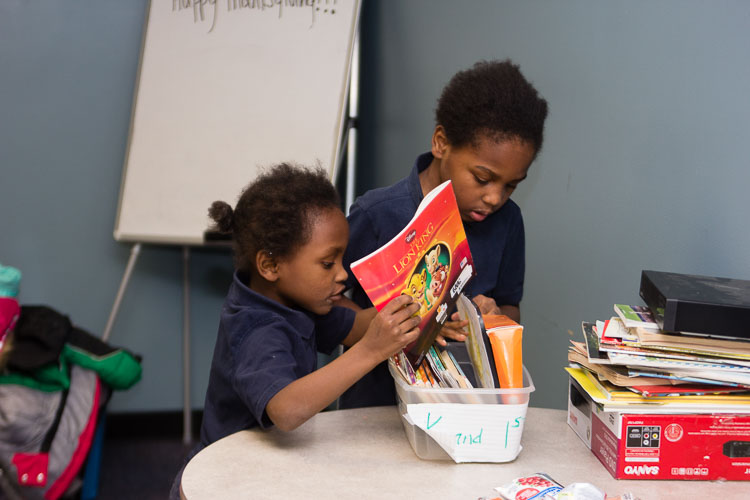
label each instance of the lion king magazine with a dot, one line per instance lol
(429, 260)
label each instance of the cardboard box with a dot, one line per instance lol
(464, 425)
(702, 446)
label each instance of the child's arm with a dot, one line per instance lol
(362, 321)
(488, 306)
(513, 312)
(392, 329)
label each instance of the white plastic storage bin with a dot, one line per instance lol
(464, 425)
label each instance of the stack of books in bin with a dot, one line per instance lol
(452, 405)
(658, 404)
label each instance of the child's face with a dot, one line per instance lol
(483, 175)
(313, 277)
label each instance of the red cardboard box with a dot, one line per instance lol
(705, 446)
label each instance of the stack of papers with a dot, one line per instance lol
(626, 362)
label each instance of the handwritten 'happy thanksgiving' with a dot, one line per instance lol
(205, 11)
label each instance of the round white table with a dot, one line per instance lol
(364, 454)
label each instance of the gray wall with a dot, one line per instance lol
(644, 164)
(67, 74)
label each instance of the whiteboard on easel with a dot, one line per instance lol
(225, 88)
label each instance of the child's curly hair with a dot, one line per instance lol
(275, 212)
(492, 98)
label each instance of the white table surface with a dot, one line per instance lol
(364, 454)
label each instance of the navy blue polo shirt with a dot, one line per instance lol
(262, 346)
(497, 246)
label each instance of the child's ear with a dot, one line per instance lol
(267, 266)
(439, 142)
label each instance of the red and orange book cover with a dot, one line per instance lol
(429, 260)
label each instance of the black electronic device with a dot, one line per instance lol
(737, 449)
(698, 304)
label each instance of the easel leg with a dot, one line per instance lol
(134, 252)
(187, 417)
(351, 151)
(187, 437)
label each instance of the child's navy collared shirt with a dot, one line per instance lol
(497, 244)
(497, 247)
(262, 346)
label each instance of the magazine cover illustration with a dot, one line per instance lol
(429, 260)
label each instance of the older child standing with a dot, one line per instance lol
(289, 236)
(489, 129)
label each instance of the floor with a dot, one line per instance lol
(141, 455)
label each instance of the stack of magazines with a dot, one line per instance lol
(628, 363)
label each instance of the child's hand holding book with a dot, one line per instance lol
(455, 329)
(487, 305)
(393, 328)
